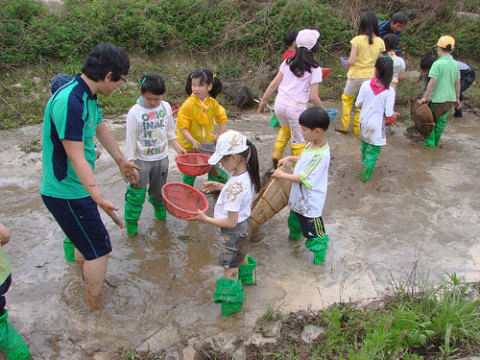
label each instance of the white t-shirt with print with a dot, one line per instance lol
(149, 131)
(296, 89)
(373, 112)
(398, 66)
(236, 196)
(308, 197)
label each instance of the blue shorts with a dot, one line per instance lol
(311, 227)
(82, 224)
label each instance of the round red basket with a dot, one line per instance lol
(392, 119)
(193, 164)
(325, 72)
(182, 200)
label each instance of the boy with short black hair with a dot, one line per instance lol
(150, 128)
(443, 87)
(310, 180)
(394, 26)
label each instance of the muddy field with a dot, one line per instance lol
(418, 216)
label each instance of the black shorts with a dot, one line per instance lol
(82, 224)
(311, 227)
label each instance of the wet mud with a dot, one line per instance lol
(417, 217)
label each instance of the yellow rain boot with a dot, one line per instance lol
(297, 149)
(280, 143)
(356, 122)
(347, 105)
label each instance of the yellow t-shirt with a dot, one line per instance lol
(367, 54)
(199, 119)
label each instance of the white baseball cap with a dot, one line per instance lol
(307, 38)
(230, 142)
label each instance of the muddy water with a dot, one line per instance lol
(417, 217)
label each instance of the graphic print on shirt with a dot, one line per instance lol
(233, 191)
(153, 125)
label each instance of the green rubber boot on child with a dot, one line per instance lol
(319, 248)
(158, 209)
(134, 199)
(11, 343)
(229, 294)
(245, 271)
(294, 227)
(189, 180)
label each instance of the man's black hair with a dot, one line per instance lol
(399, 17)
(105, 58)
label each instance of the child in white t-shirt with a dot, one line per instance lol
(310, 179)
(232, 210)
(391, 45)
(376, 99)
(150, 127)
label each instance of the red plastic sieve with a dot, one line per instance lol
(182, 200)
(193, 164)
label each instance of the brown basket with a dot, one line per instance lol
(422, 116)
(273, 198)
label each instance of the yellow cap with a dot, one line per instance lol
(446, 42)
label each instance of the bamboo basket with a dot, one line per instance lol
(272, 198)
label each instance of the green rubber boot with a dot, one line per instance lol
(69, 250)
(274, 121)
(245, 271)
(12, 344)
(430, 141)
(189, 180)
(439, 127)
(294, 226)
(134, 199)
(229, 293)
(222, 176)
(319, 248)
(370, 156)
(158, 209)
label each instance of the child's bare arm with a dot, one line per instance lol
(230, 222)
(189, 137)
(4, 234)
(280, 174)
(287, 159)
(177, 147)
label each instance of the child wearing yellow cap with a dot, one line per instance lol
(443, 88)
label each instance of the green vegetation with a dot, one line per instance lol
(432, 322)
(238, 40)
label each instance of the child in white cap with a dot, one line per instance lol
(238, 156)
(443, 89)
(297, 82)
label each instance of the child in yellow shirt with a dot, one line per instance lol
(367, 46)
(197, 118)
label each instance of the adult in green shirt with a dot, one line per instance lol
(443, 89)
(69, 189)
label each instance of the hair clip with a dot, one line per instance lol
(214, 75)
(143, 79)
